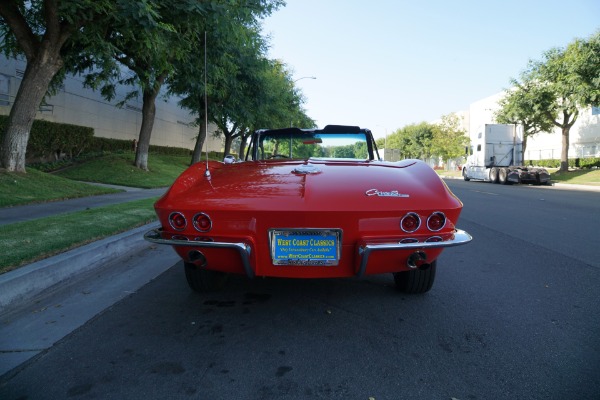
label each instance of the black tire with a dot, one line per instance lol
(502, 175)
(464, 174)
(493, 175)
(416, 281)
(204, 280)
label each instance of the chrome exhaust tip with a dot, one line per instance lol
(197, 258)
(414, 259)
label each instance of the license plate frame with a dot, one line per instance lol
(305, 246)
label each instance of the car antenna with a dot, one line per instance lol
(206, 172)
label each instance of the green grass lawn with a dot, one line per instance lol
(118, 169)
(39, 187)
(26, 242)
(589, 177)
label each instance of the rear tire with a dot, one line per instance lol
(416, 281)
(204, 280)
(493, 175)
(502, 175)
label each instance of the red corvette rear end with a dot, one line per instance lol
(286, 213)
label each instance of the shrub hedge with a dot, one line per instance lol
(587, 162)
(106, 145)
(51, 140)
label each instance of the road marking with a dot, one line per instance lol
(479, 191)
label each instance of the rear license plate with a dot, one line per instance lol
(314, 247)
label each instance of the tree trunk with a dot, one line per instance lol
(243, 141)
(228, 141)
(36, 79)
(564, 154)
(148, 115)
(523, 148)
(199, 143)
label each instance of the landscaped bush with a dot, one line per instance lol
(588, 162)
(102, 145)
(51, 140)
(548, 163)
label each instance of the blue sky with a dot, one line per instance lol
(385, 64)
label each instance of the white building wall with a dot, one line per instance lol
(584, 137)
(74, 104)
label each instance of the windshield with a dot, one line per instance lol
(315, 145)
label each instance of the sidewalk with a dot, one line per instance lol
(26, 282)
(11, 215)
(58, 294)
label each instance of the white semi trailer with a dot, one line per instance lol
(496, 155)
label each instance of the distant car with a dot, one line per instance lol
(310, 203)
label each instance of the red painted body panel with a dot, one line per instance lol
(245, 200)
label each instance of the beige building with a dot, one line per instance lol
(74, 104)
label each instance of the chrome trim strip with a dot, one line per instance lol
(460, 237)
(243, 249)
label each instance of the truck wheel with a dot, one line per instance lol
(417, 280)
(493, 175)
(502, 175)
(464, 174)
(204, 280)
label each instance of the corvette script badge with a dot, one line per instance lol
(393, 193)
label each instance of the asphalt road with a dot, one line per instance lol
(513, 315)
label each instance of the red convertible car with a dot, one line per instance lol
(309, 203)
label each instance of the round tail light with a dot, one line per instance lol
(436, 221)
(177, 221)
(202, 222)
(410, 222)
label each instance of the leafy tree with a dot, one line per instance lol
(413, 141)
(566, 81)
(449, 139)
(48, 33)
(236, 73)
(524, 105)
(150, 46)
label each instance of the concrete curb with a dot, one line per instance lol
(27, 282)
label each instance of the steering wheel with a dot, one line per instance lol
(278, 156)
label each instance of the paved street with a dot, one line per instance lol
(513, 315)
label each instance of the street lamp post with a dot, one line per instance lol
(305, 77)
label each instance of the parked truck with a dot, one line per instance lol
(496, 155)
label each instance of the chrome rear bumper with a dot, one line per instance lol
(460, 237)
(243, 249)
